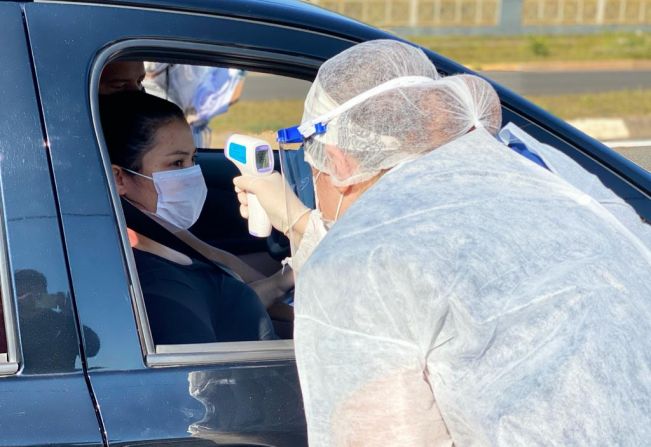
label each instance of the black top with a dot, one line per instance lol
(199, 303)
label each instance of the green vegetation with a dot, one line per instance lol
(258, 116)
(480, 50)
(539, 46)
(619, 104)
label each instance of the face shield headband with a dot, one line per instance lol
(319, 125)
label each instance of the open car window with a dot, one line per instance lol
(190, 305)
(220, 101)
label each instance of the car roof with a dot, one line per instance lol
(283, 12)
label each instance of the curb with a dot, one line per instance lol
(611, 129)
(544, 66)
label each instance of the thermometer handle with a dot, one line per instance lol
(259, 223)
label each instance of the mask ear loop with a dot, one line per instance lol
(341, 200)
(131, 201)
(316, 196)
(138, 173)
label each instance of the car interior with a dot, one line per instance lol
(220, 224)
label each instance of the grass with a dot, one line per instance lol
(619, 104)
(256, 118)
(481, 50)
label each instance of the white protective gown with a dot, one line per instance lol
(474, 282)
(570, 171)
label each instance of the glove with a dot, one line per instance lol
(276, 197)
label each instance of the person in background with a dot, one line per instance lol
(462, 293)
(201, 92)
(120, 76)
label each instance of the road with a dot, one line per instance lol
(260, 87)
(562, 83)
(637, 151)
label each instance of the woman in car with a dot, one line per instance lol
(153, 163)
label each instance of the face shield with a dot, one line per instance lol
(298, 164)
(297, 174)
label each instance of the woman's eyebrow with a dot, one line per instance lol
(181, 152)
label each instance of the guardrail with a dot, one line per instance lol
(414, 13)
(581, 12)
(506, 15)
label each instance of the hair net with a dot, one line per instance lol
(475, 283)
(409, 110)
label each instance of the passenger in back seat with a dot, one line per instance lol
(122, 76)
(187, 300)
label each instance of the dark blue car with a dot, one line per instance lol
(79, 365)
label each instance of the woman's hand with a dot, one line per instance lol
(273, 289)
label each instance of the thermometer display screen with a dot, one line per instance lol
(262, 157)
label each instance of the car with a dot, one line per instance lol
(80, 366)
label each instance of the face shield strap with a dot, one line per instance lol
(293, 134)
(318, 125)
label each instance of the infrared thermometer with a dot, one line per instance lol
(252, 156)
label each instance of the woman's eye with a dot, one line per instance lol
(178, 163)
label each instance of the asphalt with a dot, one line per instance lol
(535, 78)
(639, 155)
(522, 82)
(543, 83)
(559, 78)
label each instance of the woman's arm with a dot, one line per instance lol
(270, 290)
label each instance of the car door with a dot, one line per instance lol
(231, 394)
(44, 397)
(243, 394)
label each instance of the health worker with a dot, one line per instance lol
(465, 295)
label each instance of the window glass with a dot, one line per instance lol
(3, 336)
(219, 101)
(204, 278)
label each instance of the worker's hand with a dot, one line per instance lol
(275, 196)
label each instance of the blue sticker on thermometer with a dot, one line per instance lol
(237, 152)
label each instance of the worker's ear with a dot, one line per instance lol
(343, 166)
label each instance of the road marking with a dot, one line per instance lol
(628, 143)
(603, 128)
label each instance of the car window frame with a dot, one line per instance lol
(206, 54)
(9, 361)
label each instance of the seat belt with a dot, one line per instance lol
(185, 242)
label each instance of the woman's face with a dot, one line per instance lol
(173, 148)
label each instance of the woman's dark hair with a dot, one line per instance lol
(130, 121)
